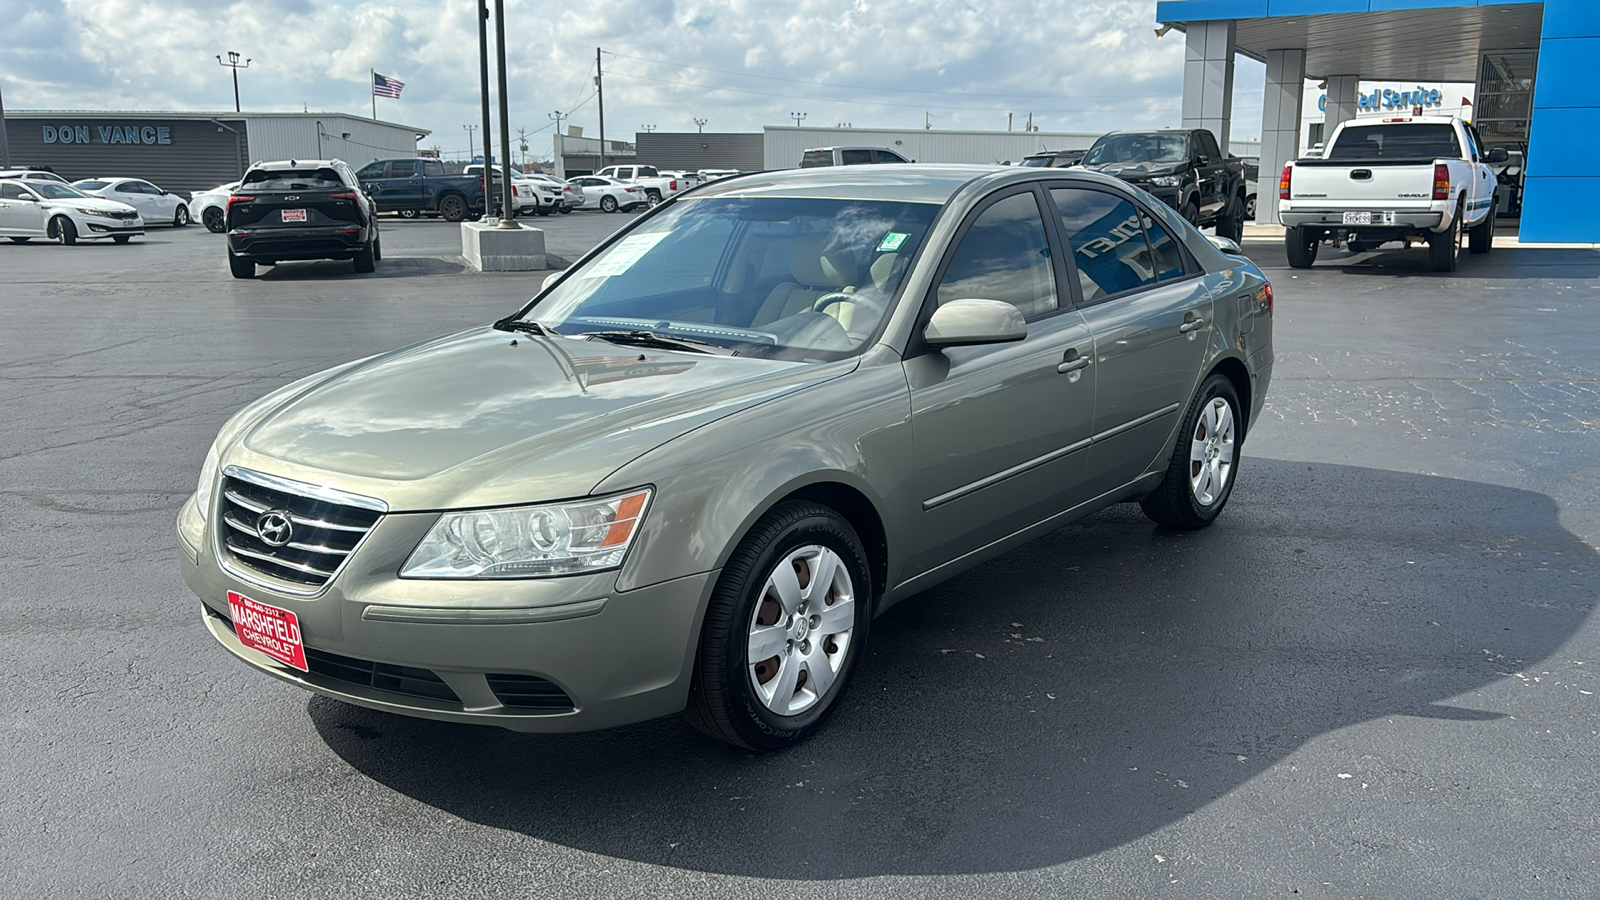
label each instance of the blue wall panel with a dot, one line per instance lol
(1566, 67)
(1561, 211)
(1198, 10)
(1571, 18)
(1316, 7)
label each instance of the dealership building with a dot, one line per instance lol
(194, 151)
(1528, 60)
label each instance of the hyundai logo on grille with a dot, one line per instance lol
(274, 527)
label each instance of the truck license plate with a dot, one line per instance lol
(1358, 218)
(273, 631)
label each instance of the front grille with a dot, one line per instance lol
(123, 213)
(322, 535)
(528, 692)
(406, 680)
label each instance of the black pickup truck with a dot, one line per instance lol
(411, 187)
(1184, 167)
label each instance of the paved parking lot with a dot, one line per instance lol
(1376, 676)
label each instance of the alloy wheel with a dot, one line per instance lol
(800, 630)
(1211, 450)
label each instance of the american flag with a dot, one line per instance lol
(384, 86)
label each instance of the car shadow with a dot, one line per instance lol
(1395, 261)
(388, 267)
(1084, 691)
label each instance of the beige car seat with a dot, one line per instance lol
(817, 271)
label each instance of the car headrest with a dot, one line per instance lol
(813, 262)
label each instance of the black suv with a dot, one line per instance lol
(1183, 167)
(312, 209)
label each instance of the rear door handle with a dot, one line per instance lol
(1191, 325)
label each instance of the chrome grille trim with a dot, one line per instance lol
(329, 526)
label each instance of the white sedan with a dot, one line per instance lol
(30, 209)
(155, 205)
(209, 207)
(609, 194)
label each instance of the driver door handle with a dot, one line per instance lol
(1191, 324)
(1073, 363)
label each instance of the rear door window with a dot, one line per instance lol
(433, 168)
(1106, 234)
(816, 158)
(855, 157)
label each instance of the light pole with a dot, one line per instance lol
(701, 125)
(470, 151)
(798, 117)
(648, 128)
(234, 64)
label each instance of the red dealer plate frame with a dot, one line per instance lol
(294, 215)
(268, 629)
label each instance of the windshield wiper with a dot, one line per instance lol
(661, 341)
(527, 326)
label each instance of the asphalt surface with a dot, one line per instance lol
(1376, 676)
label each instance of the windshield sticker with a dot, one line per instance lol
(892, 241)
(621, 258)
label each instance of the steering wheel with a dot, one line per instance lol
(830, 299)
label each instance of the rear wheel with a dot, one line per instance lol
(1301, 243)
(62, 230)
(784, 629)
(1481, 238)
(565, 210)
(1444, 249)
(241, 266)
(180, 218)
(652, 198)
(453, 207)
(1200, 474)
(212, 219)
(608, 204)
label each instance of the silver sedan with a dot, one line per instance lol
(691, 471)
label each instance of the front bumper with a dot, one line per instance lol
(448, 650)
(320, 242)
(1334, 218)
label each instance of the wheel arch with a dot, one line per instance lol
(1234, 369)
(862, 515)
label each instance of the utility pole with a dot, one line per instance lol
(700, 124)
(1008, 121)
(1029, 126)
(927, 121)
(508, 208)
(600, 92)
(234, 64)
(470, 146)
(556, 117)
(522, 144)
(798, 117)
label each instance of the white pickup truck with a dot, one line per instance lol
(1406, 179)
(656, 186)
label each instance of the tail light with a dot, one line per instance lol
(239, 198)
(631, 190)
(1265, 296)
(672, 185)
(1283, 182)
(343, 195)
(1441, 182)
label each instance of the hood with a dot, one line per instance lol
(1130, 171)
(91, 201)
(474, 419)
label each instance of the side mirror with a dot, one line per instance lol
(1499, 155)
(163, 192)
(1226, 245)
(962, 322)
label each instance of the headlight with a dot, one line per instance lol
(205, 491)
(530, 541)
(1166, 180)
(92, 212)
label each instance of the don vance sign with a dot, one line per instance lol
(107, 134)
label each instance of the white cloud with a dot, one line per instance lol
(741, 64)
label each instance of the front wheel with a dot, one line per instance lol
(784, 629)
(212, 219)
(1301, 244)
(1190, 213)
(1200, 474)
(180, 218)
(1231, 223)
(62, 230)
(608, 204)
(1481, 238)
(1250, 207)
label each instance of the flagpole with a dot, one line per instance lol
(372, 85)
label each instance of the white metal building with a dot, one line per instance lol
(784, 144)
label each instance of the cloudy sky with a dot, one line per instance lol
(1076, 65)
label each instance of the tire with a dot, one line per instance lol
(377, 248)
(408, 214)
(1191, 213)
(366, 258)
(62, 230)
(608, 204)
(180, 218)
(20, 240)
(121, 238)
(1301, 243)
(211, 217)
(1250, 207)
(1480, 239)
(652, 198)
(453, 207)
(1205, 462)
(728, 697)
(1444, 250)
(241, 266)
(1231, 223)
(566, 210)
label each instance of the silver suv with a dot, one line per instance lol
(691, 471)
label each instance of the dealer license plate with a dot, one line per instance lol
(1358, 218)
(273, 631)
(299, 215)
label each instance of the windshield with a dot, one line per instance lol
(51, 190)
(1138, 148)
(1397, 141)
(773, 277)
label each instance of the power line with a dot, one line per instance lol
(881, 88)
